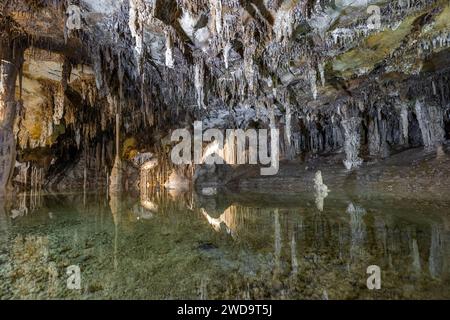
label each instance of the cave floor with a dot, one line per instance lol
(246, 245)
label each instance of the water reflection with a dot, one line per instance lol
(436, 251)
(243, 246)
(358, 231)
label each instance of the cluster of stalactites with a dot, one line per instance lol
(437, 42)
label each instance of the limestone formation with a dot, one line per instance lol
(316, 70)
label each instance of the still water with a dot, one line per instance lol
(232, 246)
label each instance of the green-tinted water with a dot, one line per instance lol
(234, 246)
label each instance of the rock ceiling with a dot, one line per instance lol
(239, 51)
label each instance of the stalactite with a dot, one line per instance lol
(352, 142)
(249, 64)
(283, 26)
(288, 131)
(115, 185)
(226, 54)
(313, 82)
(322, 73)
(135, 24)
(169, 51)
(216, 10)
(404, 123)
(431, 123)
(200, 83)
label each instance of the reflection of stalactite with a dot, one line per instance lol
(36, 183)
(436, 251)
(228, 219)
(358, 230)
(144, 175)
(320, 228)
(203, 289)
(294, 260)
(4, 225)
(341, 237)
(23, 208)
(52, 279)
(277, 241)
(415, 257)
(115, 206)
(381, 234)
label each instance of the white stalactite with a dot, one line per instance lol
(288, 124)
(249, 68)
(431, 123)
(404, 123)
(352, 143)
(322, 74)
(135, 23)
(199, 83)
(226, 54)
(313, 82)
(216, 10)
(169, 51)
(283, 25)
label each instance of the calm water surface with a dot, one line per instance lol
(234, 246)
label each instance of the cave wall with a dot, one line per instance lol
(316, 69)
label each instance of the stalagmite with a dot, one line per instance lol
(321, 190)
